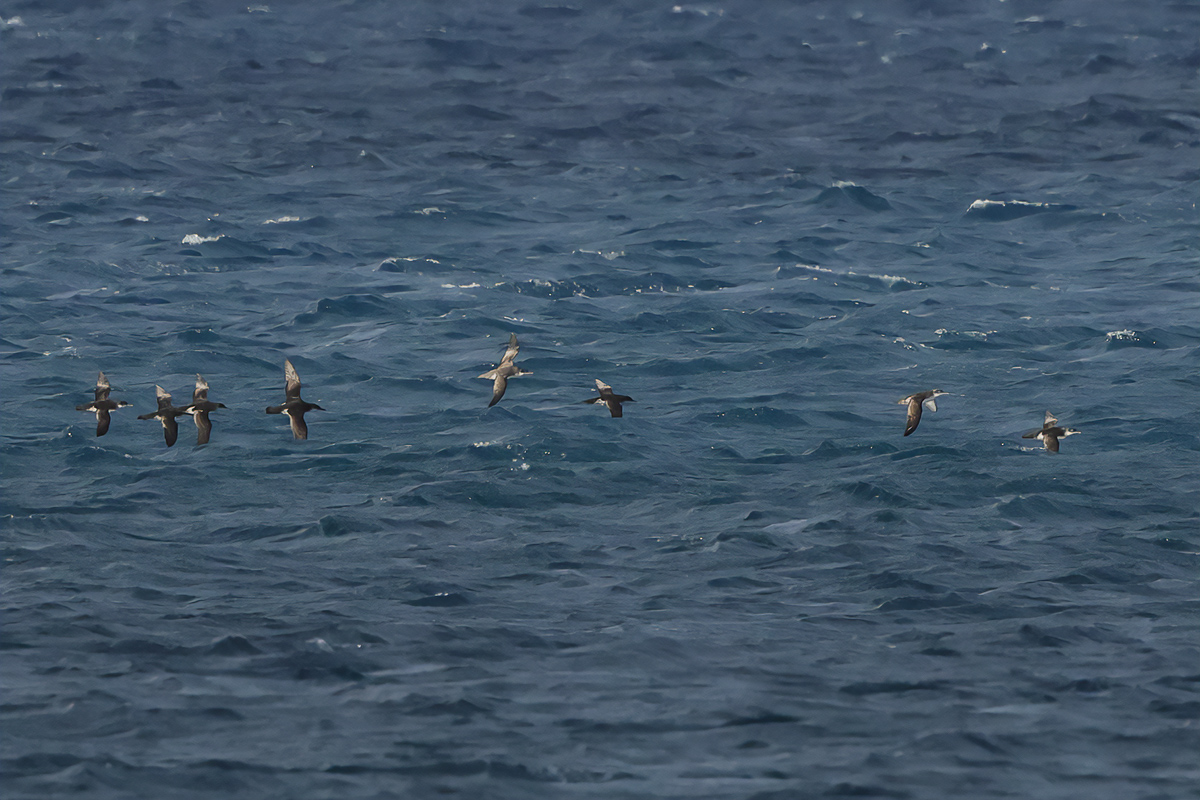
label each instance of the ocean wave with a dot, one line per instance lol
(1005, 210)
(758, 221)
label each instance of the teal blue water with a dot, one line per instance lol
(766, 223)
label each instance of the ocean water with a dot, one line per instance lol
(764, 221)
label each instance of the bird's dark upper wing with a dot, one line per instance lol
(914, 416)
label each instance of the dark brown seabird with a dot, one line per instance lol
(915, 402)
(199, 409)
(293, 405)
(613, 401)
(1050, 433)
(507, 369)
(166, 414)
(101, 406)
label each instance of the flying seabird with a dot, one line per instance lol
(199, 409)
(166, 414)
(915, 402)
(102, 405)
(507, 369)
(1050, 433)
(293, 405)
(613, 401)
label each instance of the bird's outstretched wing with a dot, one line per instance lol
(511, 353)
(293, 380)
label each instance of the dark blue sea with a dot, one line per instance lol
(766, 222)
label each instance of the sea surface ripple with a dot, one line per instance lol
(764, 221)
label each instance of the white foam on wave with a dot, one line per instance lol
(890, 280)
(907, 345)
(410, 259)
(1122, 336)
(982, 204)
(704, 11)
(970, 334)
(195, 238)
(607, 255)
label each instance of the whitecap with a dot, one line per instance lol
(970, 334)
(1006, 210)
(980, 205)
(607, 255)
(195, 238)
(891, 280)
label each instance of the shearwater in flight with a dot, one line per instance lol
(507, 369)
(101, 406)
(915, 402)
(166, 414)
(1050, 433)
(294, 406)
(613, 401)
(199, 409)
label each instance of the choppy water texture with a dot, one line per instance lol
(764, 221)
